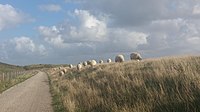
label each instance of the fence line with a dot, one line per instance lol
(12, 75)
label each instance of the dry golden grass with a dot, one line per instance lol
(155, 85)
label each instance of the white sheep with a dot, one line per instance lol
(70, 66)
(79, 66)
(65, 70)
(92, 63)
(135, 56)
(85, 63)
(119, 58)
(109, 60)
(101, 61)
(54, 69)
(88, 62)
(61, 73)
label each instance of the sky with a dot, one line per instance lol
(72, 31)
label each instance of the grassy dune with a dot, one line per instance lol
(9, 68)
(156, 85)
(42, 66)
(11, 77)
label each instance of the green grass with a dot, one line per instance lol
(5, 68)
(56, 98)
(170, 84)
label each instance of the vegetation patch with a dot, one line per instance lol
(153, 85)
(56, 97)
(6, 84)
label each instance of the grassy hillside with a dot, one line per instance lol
(6, 84)
(155, 85)
(42, 66)
(9, 68)
(11, 75)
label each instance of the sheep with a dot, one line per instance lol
(53, 69)
(101, 61)
(70, 66)
(80, 63)
(85, 63)
(61, 73)
(88, 62)
(119, 58)
(92, 63)
(79, 66)
(135, 56)
(109, 60)
(65, 70)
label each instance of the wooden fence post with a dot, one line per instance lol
(3, 76)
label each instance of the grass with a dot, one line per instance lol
(12, 76)
(4, 68)
(170, 84)
(56, 98)
(42, 66)
(4, 85)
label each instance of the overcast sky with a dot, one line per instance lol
(70, 31)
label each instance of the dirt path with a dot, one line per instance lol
(31, 95)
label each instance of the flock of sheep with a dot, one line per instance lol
(118, 58)
(92, 63)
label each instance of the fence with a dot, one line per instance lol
(12, 75)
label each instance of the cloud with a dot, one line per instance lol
(172, 37)
(133, 12)
(50, 7)
(196, 10)
(42, 50)
(10, 17)
(102, 29)
(52, 35)
(74, 1)
(26, 46)
(22, 50)
(90, 28)
(194, 40)
(171, 25)
(90, 34)
(3, 53)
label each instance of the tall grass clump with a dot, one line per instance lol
(170, 84)
(57, 102)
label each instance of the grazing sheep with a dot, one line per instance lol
(61, 73)
(135, 56)
(70, 66)
(80, 63)
(65, 70)
(101, 61)
(92, 63)
(85, 63)
(88, 62)
(109, 60)
(79, 66)
(53, 69)
(119, 58)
